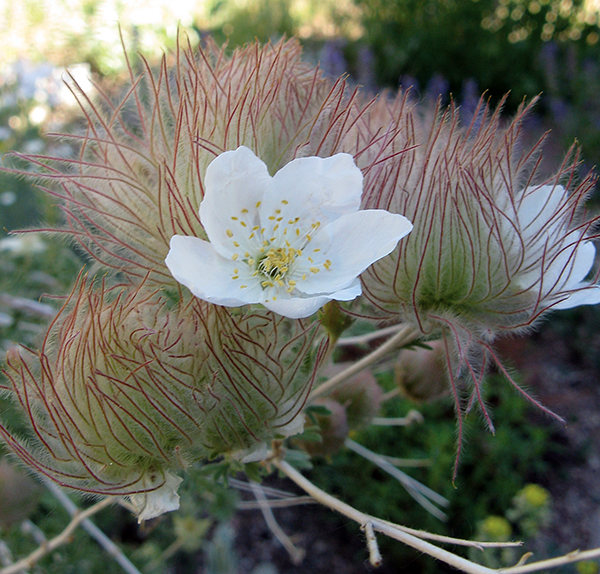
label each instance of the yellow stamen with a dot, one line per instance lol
(229, 233)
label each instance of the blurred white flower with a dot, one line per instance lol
(291, 242)
(28, 244)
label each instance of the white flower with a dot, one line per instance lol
(291, 242)
(156, 502)
(565, 255)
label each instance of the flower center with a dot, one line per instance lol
(274, 265)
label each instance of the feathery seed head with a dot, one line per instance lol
(139, 177)
(126, 391)
(491, 250)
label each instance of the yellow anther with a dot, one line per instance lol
(278, 211)
(303, 276)
(236, 244)
(272, 217)
(297, 232)
(314, 270)
(317, 249)
(234, 218)
(276, 227)
(279, 218)
(284, 201)
(243, 286)
(251, 236)
(291, 282)
(229, 233)
(243, 223)
(235, 277)
(327, 264)
(308, 237)
(258, 204)
(244, 210)
(234, 256)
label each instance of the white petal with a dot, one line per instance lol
(588, 295)
(538, 211)
(571, 266)
(156, 502)
(349, 293)
(293, 427)
(235, 183)
(351, 244)
(254, 453)
(314, 189)
(195, 263)
(296, 307)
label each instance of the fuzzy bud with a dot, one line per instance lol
(422, 373)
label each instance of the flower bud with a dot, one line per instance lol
(360, 395)
(422, 373)
(333, 428)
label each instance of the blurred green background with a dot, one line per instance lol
(447, 49)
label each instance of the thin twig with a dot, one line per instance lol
(457, 541)
(368, 337)
(267, 490)
(372, 546)
(109, 546)
(379, 525)
(28, 527)
(421, 493)
(281, 503)
(57, 541)
(296, 554)
(407, 334)
(412, 417)
(27, 306)
(575, 556)
(408, 462)
(6, 557)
